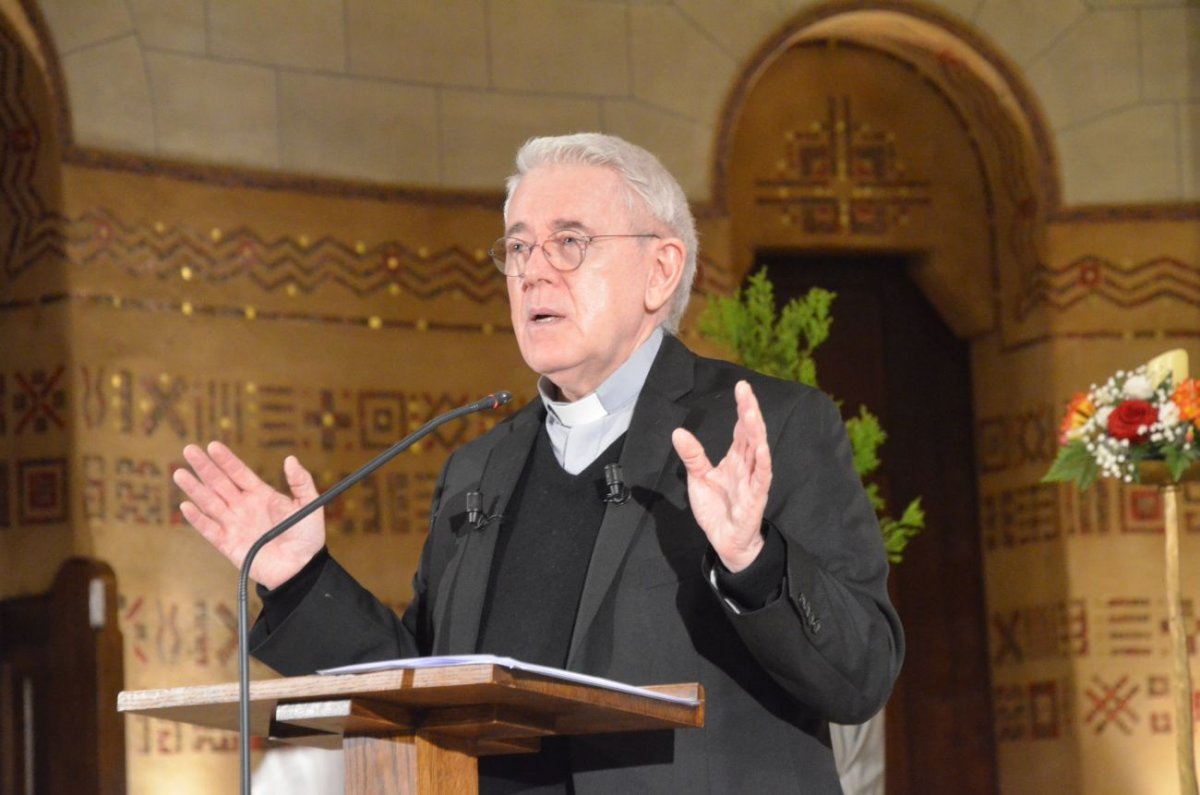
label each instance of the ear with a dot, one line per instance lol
(665, 272)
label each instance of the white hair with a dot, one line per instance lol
(646, 181)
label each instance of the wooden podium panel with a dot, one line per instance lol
(422, 730)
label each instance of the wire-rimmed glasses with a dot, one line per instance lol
(564, 250)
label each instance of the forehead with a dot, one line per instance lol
(567, 195)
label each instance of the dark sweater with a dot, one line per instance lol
(537, 575)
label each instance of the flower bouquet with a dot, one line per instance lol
(1150, 413)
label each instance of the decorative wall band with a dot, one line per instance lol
(293, 264)
(29, 229)
(298, 264)
(1123, 284)
(202, 310)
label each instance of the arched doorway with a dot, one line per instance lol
(886, 153)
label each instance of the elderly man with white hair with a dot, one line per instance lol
(747, 557)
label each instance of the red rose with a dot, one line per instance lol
(1128, 417)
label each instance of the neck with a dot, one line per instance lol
(571, 389)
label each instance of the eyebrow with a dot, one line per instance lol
(558, 225)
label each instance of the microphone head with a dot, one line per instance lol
(501, 398)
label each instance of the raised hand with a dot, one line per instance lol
(231, 507)
(728, 499)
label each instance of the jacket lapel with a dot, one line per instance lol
(459, 606)
(645, 458)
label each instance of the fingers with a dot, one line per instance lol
(691, 452)
(204, 499)
(749, 415)
(211, 472)
(300, 480)
(234, 469)
(749, 449)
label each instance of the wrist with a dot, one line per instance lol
(737, 559)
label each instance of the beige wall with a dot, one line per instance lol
(200, 289)
(1051, 299)
(357, 89)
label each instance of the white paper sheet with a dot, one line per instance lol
(506, 662)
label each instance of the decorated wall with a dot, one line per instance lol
(148, 302)
(860, 133)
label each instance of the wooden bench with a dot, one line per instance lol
(61, 668)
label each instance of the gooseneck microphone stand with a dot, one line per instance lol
(492, 401)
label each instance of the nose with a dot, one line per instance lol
(538, 267)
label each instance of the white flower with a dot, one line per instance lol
(1101, 418)
(1168, 414)
(1138, 387)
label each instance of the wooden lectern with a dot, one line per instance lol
(421, 730)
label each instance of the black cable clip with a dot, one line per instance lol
(614, 480)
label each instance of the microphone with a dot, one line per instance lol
(614, 480)
(492, 401)
(475, 514)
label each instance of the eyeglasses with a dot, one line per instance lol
(563, 250)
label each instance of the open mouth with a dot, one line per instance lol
(544, 317)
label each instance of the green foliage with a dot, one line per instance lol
(1073, 463)
(781, 345)
(1178, 460)
(746, 324)
(897, 532)
(866, 437)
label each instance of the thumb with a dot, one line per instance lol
(299, 480)
(690, 451)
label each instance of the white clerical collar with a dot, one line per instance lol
(618, 390)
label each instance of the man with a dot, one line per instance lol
(763, 576)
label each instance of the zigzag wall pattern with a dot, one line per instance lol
(295, 264)
(100, 238)
(29, 230)
(1122, 284)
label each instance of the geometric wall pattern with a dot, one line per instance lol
(839, 175)
(29, 229)
(1125, 284)
(294, 265)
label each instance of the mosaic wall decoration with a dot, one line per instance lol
(1126, 705)
(1130, 706)
(293, 265)
(841, 176)
(1052, 631)
(1037, 710)
(1007, 442)
(1126, 284)
(31, 229)
(151, 737)
(1020, 516)
(271, 415)
(202, 633)
(1120, 626)
(140, 493)
(38, 402)
(1046, 512)
(42, 494)
(264, 422)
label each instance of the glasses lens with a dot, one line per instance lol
(566, 250)
(509, 254)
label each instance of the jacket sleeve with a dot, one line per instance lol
(339, 622)
(832, 638)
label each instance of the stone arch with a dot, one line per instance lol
(30, 162)
(34, 321)
(977, 284)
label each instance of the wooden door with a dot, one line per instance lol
(889, 350)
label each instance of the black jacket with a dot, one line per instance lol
(828, 649)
